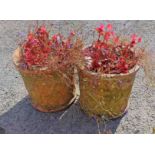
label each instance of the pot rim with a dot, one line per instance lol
(132, 70)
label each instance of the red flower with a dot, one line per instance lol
(72, 33)
(107, 36)
(30, 36)
(122, 60)
(111, 54)
(113, 33)
(39, 47)
(116, 40)
(54, 37)
(126, 66)
(139, 39)
(100, 29)
(109, 27)
(95, 65)
(133, 37)
(43, 29)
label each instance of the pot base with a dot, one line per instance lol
(39, 108)
(109, 117)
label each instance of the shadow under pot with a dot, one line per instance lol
(106, 94)
(48, 90)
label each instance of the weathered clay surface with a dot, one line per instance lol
(102, 95)
(49, 90)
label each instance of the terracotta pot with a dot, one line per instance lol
(48, 90)
(105, 94)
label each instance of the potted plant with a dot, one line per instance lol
(46, 64)
(107, 78)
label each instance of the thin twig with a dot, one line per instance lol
(98, 125)
(76, 92)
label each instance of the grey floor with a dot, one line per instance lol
(18, 116)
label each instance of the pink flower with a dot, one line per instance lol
(107, 36)
(54, 37)
(100, 29)
(116, 40)
(126, 66)
(113, 33)
(122, 60)
(139, 39)
(133, 37)
(72, 33)
(43, 29)
(30, 36)
(109, 27)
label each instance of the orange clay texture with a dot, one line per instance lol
(48, 91)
